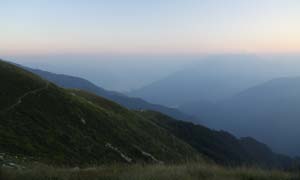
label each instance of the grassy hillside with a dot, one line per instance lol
(54, 125)
(221, 146)
(188, 171)
(41, 120)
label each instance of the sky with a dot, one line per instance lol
(149, 26)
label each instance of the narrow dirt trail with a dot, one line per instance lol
(20, 99)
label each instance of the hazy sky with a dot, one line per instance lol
(149, 26)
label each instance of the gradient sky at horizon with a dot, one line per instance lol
(149, 27)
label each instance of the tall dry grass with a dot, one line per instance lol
(189, 171)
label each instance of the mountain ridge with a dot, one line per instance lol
(67, 81)
(75, 127)
(59, 126)
(264, 111)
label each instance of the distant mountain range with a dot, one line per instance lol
(269, 112)
(65, 126)
(214, 79)
(245, 95)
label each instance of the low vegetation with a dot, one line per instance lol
(58, 126)
(41, 123)
(188, 171)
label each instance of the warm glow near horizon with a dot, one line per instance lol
(150, 27)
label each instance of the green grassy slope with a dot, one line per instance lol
(189, 171)
(222, 146)
(41, 120)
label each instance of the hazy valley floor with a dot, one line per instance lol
(189, 171)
